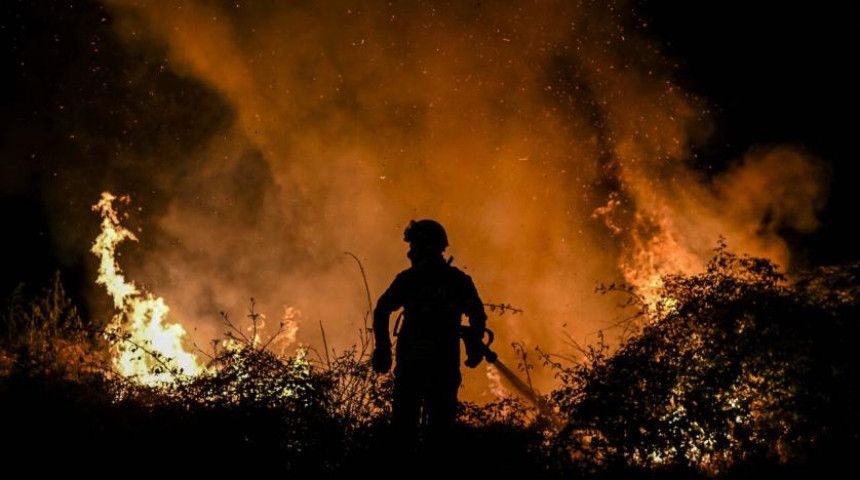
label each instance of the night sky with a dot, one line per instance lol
(73, 106)
(775, 72)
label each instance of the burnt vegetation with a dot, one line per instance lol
(738, 371)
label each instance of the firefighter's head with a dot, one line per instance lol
(426, 238)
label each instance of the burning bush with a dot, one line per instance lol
(735, 364)
(299, 414)
(45, 335)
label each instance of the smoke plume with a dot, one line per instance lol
(549, 138)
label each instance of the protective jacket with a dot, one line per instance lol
(434, 295)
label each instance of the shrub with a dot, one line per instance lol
(46, 336)
(734, 364)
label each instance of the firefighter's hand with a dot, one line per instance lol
(381, 360)
(474, 347)
(473, 359)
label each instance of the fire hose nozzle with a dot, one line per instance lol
(476, 349)
(491, 356)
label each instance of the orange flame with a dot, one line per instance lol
(146, 347)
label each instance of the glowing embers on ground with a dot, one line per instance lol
(145, 346)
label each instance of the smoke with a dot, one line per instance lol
(769, 192)
(495, 383)
(548, 137)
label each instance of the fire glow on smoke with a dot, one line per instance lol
(550, 138)
(146, 347)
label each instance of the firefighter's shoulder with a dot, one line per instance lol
(461, 275)
(404, 275)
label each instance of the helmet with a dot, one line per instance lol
(426, 233)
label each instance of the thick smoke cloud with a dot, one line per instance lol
(548, 137)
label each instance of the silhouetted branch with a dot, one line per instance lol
(363, 335)
(502, 308)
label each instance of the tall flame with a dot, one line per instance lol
(147, 348)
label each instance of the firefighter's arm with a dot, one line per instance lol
(385, 306)
(474, 309)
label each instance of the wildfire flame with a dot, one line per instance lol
(654, 255)
(146, 347)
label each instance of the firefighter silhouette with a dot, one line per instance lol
(434, 296)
